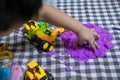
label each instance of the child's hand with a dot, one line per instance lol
(87, 36)
(58, 18)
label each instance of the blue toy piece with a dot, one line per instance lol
(4, 73)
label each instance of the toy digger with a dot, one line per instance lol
(4, 53)
(36, 72)
(41, 35)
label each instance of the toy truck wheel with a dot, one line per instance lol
(51, 48)
(45, 45)
(49, 75)
(41, 44)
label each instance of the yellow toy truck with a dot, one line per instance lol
(4, 53)
(36, 72)
(41, 35)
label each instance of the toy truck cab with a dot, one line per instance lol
(41, 35)
(36, 72)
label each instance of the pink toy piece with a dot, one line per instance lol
(85, 52)
(16, 72)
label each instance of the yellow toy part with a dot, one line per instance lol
(49, 38)
(41, 35)
(36, 72)
(4, 53)
(51, 48)
(31, 25)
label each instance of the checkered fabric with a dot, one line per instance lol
(50, 2)
(99, 12)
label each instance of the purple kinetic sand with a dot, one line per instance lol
(51, 53)
(86, 52)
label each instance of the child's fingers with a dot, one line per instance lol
(97, 46)
(92, 29)
(93, 44)
(95, 34)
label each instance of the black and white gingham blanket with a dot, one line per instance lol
(99, 12)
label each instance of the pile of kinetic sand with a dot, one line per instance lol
(86, 52)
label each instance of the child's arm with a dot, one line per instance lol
(58, 18)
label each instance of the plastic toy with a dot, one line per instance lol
(36, 72)
(4, 53)
(41, 35)
(16, 72)
(5, 73)
(44, 24)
